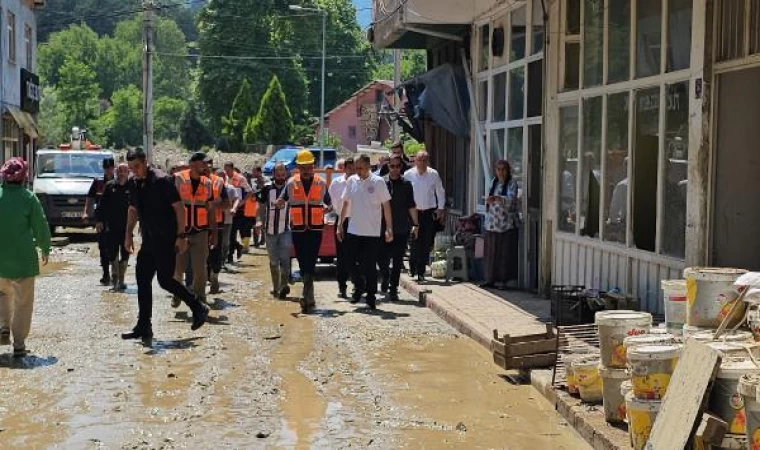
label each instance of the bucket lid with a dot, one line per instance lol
(734, 368)
(728, 348)
(648, 339)
(659, 329)
(690, 329)
(748, 384)
(637, 403)
(623, 317)
(713, 273)
(673, 284)
(618, 374)
(655, 352)
(731, 336)
(587, 362)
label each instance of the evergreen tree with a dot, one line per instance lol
(242, 111)
(274, 123)
(193, 133)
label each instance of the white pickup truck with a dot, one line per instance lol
(62, 180)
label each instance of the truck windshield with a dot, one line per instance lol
(285, 155)
(70, 165)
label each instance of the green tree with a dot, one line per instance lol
(274, 123)
(122, 123)
(167, 112)
(118, 64)
(99, 15)
(193, 133)
(413, 63)
(53, 123)
(78, 92)
(243, 110)
(77, 43)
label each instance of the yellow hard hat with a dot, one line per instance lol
(305, 157)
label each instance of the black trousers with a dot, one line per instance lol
(158, 259)
(103, 247)
(362, 262)
(340, 260)
(238, 223)
(215, 257)
(307, 245)
(391, 261)
(423, 245)
(114, 249)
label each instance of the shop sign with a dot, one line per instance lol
(30, 92)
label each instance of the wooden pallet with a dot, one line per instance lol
(525, 352)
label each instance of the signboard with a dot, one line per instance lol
(30, 92)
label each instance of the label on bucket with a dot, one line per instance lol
(753, 430)
(641, 427)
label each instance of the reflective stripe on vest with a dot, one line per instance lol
(307, 213)
(217, 184)
(196, 206)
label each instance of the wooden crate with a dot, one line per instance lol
(525, 352)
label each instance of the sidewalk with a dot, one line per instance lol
(476, 312)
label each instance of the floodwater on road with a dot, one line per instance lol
(258, 375)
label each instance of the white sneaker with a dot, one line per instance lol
(5, 336)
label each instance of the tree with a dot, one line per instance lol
(274, 123)
(122, 123)
(99, 15)
(53, 122)
(193, 133)
(243, 110)
(413, 63)
(77, 43)
(168, 115)
(78, 92)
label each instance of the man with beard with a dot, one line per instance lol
(111, 215)
(277, 228)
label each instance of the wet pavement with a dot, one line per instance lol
(259, 375)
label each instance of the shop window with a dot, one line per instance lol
(498, 41)
(537, 27)
(648, 37)
(568, 164)
(572, 65)
(481, 178)
(485, 47)
(29, 47)
(646, 151)
(515, 153)
(483, 101)
(573, 18)
(517, 34)
(499, 98)
(679, 34)
(730, 19)
(535, 88)
(593, 42)
(11, 18)
(676, 170)
(497, 146)
(11, 147)
(535, 137)
(616, 170)
(591, 167)
(517, 93)
(619, 45)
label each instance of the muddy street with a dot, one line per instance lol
(258, 375)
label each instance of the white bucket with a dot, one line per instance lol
(729, 336)
(647, 339)
(748, 385)
(614, 327)
(661, 329)
(674, 297)
(572, 384)
(733, 349)
(753, 321)
(710, 295)
(651, 369)
(725, 400)
(589, 381)
(613, 399)
(689, 331)
(641, 416)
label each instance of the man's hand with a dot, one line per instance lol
(181, 245)
(339, 232)
(280, 203)
(415, 231)
(440, 215)
(388, 236)
(99, 227)
(212, 238)
(129, 244)
(45, 259)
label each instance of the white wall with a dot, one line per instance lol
(11, 72)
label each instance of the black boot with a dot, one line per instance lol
(200, 314)
(140, 332)
(106, 280)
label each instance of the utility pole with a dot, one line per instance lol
(396, 84)
(148, 32)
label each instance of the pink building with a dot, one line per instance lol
(357, 120)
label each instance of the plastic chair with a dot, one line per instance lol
(456, 264)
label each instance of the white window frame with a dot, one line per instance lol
(11, 32)
(29, 46)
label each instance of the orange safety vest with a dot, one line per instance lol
(217, 184)
(307, 212)
(196, 206)
(251, 207)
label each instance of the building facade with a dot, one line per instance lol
(20, 91)
(358, 120)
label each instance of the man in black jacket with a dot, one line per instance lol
(404, 213)
(111, 216)
(397, 150)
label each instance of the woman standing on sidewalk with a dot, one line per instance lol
(22, 228)
(502, 228)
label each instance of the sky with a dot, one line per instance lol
(363, 14)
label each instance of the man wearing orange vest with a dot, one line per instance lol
(221, 200)
(306, 195)
(196, 193)
(239, 182)
(250, 213)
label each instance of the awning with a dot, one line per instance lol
(24, 120)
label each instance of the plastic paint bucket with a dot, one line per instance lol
(725, 400)
(710, 295)
(572, 384)
(641, 416)
(613, 398)
(732, 349)
(707, 336)
(689, 331)
(647, 339)
(614, 327)
(753, 321)
(651, 369)
(674, 297)
(589, 381)
(748, 385)
(660, 329)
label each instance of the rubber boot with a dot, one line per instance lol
(122, 273)
(284, 285)
(115, 276)
(106, 279)
(275, 272)
(310, 301)
(214, 281)
(304, 300)
(246, 245)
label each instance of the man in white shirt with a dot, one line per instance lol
(430, 198)
(234, 197)
(337, 187)
(368, 197)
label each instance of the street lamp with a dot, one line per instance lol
(324, 57)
